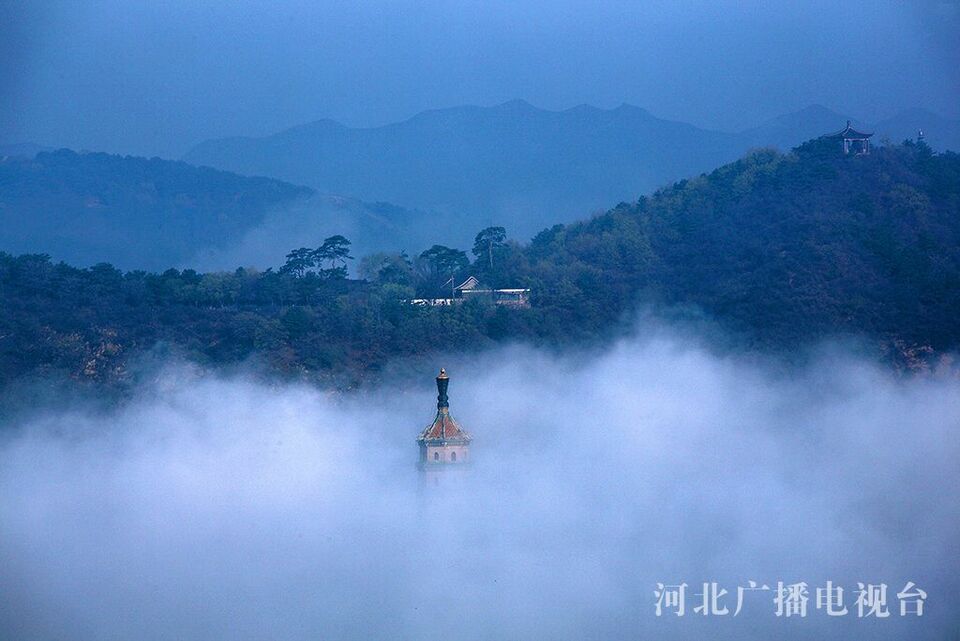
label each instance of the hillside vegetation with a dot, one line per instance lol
(137, 212)
(520, 166)
(781, 250)
(141, 213)
(788, 248)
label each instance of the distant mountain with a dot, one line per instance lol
(789, 130)
(454, 170)
(21, 150)
(153, 214)
(939, 132)
(512, 164)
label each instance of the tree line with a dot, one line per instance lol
(776, 250)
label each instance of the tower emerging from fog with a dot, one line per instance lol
(444, 445)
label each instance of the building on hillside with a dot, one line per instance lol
(514, 297)
(472, 288)
(854, 142)
(444, 445)
(433, 302)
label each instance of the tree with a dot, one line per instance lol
(335, 250)
(218, 288)
(299, 261)
(444, 262)
(487, 241)
(383, 267)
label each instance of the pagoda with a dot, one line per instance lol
(854, 142)
(443, 444)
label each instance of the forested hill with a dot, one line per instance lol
(781, 250)
(137, 212)
(786, 248)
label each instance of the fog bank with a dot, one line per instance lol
(214, 508)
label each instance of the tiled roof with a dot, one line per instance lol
(848, 132)
(444, 428)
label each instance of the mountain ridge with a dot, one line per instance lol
(517, 164)
(484, 165)
(141, 213)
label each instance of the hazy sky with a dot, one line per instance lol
(210, 508)
(157, 77)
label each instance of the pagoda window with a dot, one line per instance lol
(436, 456)
(453, 456)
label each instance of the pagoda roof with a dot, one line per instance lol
(444, 428)
(849, 132)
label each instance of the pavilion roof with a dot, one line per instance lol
(849, 132)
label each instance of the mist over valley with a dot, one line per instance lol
(222, 508)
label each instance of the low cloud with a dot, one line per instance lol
(370, 228)
(212, 508)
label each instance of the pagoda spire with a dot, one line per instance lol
(443, 381)
(443, 443)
